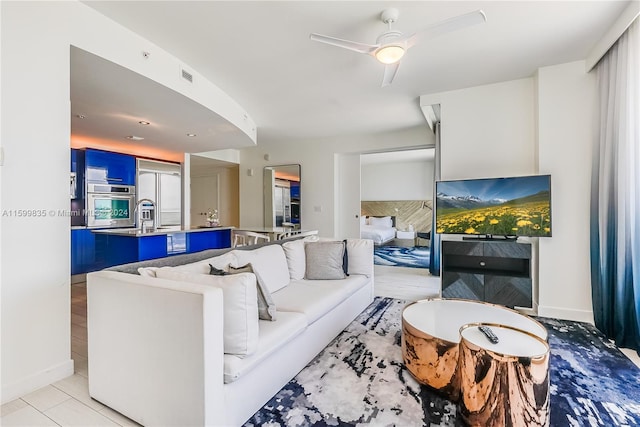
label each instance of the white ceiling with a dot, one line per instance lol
(260, 54)
(108, 102)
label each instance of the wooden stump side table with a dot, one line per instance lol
(506, 383)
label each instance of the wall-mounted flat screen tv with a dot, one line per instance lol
(514, 206)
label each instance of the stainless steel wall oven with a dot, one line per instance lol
(110, 206)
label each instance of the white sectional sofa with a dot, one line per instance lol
(191, 351)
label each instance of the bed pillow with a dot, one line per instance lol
(240, 302)
(384, 221)
(363, 220)
(266, 306)
(324, 260)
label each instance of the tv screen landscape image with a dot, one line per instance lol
(514, 206)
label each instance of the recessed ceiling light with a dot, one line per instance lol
(191, 135)
(134, 138)
(81, 116)
(144, 122)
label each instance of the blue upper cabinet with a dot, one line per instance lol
(77, 174)
(110, 168)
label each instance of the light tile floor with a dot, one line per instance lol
(67, 402)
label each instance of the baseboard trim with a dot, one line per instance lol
(566, 314)
(36, 381)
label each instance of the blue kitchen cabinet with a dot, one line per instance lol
(115, 249)
(106, 167)
(77, 191)
(118, 249)
(214, 239)
(77, 171)
(83, 251)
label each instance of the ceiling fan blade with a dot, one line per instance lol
(448, 25)
(345, 44)
(390, 72)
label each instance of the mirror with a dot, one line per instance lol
(282, 196)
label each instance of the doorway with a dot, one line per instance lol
(396, 205)
(215, 185)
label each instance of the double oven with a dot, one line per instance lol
(110, 205)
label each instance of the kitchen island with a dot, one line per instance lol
(124, 245)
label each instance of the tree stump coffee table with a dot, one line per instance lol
(504, 383)
(431, 337)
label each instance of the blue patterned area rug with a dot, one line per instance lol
(398, 256)
(360, 379)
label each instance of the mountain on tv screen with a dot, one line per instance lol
(514, 206)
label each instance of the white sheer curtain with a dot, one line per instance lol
(615, 205)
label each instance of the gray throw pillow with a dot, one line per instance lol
(324, 260)
(216, 271)
(266, 306)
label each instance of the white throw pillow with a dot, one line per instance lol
(269, 262)
(294, 252)
(240, 304)
(360, 256)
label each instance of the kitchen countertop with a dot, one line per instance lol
(134, 232)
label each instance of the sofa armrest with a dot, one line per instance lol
(360, 256)
(155, 348)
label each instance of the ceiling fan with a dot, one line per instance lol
(391, 45)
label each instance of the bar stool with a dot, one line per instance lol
(246, 238)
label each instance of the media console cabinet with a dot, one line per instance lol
(492, 271)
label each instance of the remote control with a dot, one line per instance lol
(489, 334)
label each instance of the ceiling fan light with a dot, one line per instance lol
(389, 54)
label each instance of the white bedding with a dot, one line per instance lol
(376, 233)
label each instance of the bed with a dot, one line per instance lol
(379, 229)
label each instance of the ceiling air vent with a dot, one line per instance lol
(187, 76)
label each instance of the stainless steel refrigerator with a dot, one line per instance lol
(162, 183)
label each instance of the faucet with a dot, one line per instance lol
(140, 222)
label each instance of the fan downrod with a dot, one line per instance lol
(389, 15)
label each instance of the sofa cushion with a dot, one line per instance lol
(269, 262)
(266, 306)
(314, 298)
(240, 302)
(324, 260)
(273, 335)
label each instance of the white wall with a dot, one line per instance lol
(317, 162)
(411, 180)
(534, 125)
(487, 131)
(35, 267)
(566, 131)
(35, 250)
